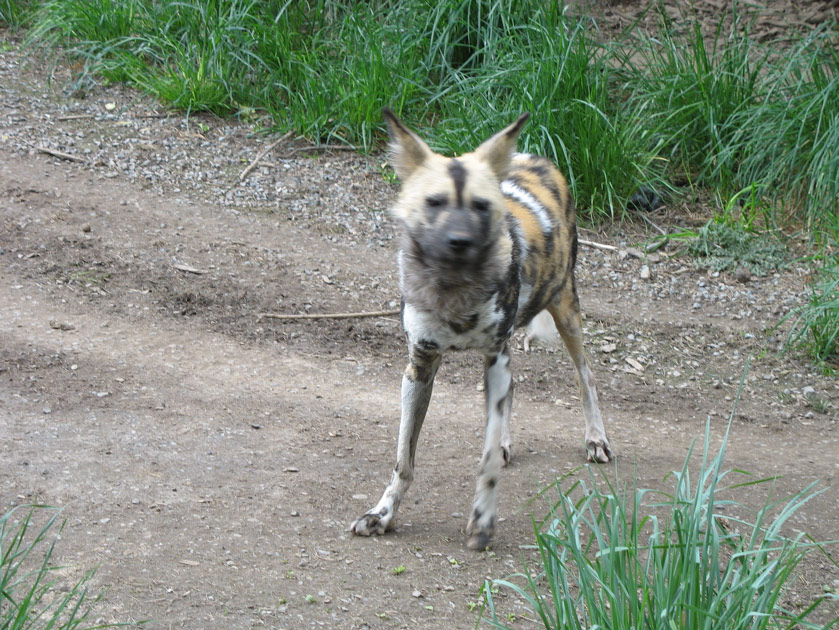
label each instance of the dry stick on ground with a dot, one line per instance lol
(188, 269)
(329, 315)
(610, 248)
(61, 154)
(263, 153)
(76, 117)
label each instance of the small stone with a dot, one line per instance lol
(743, 275)
(86, 228)
(645, 272)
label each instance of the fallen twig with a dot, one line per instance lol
(76, 117)
(329, 315)
(661, 231)
(610, 248)
(61, 154)
(188, 269)
(262, 154)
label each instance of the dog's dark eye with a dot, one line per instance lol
(481, 205)
(435, 202)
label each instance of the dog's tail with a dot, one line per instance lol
(542, 331)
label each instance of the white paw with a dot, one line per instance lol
(599, 451)
(370, 524)
(480, 531)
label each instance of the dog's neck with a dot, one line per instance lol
(453, 293)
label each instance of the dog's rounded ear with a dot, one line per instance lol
(407, 151)
(498, 150)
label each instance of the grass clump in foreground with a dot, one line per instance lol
(31, 596)
(652, 560)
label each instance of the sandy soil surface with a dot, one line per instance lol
(209, 460)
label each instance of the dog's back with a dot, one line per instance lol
(541, 216)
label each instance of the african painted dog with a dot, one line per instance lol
(489, 240)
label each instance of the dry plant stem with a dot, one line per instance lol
(263, 153)
(61, 154)
(329, 315)
(610, 248)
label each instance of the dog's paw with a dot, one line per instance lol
(479, 541)
(479, 531)
(599, 451)
(370, 524)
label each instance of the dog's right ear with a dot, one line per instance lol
(407, 150)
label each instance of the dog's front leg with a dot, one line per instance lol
(417, 383)
(499, 400)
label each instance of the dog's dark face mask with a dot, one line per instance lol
(452, 209)
(455, 232)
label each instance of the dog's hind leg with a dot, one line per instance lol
(499, 401)
(417, 383)
(565, 310)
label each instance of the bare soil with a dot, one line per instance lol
(209, 460)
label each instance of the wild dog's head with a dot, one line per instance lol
(451, 208)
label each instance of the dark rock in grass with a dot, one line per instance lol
(645, 199)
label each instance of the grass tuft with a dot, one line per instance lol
(721, 246)
(614, 559)
(32, 595)
(815, 325)
(15, 13)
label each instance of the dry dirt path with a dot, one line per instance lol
(209, 461)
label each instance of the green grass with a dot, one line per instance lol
(815, 325)
(33, 596)
(734, 114)
(15, 13)
(687, 559)
(721, 246)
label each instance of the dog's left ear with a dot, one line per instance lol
(407, 150)
(498, 150)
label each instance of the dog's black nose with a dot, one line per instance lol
(459, 243)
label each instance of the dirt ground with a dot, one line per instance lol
(210, 460)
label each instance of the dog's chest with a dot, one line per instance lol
(484, 329)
